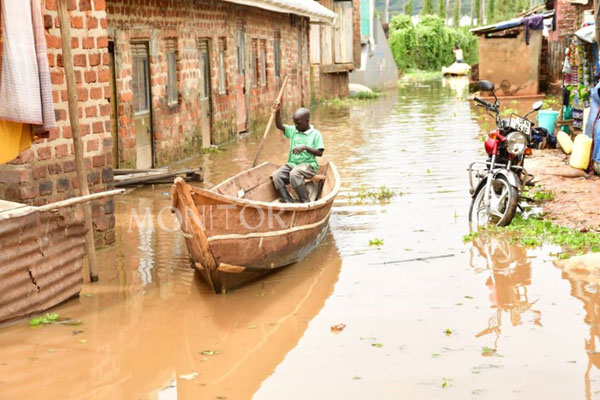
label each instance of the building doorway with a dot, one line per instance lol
(114, 125)
(142, 110)
(240, 85)
(205, 92)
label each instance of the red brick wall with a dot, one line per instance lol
(46, 172)
(176, 129)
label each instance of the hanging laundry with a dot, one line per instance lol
(15, 138)
(535, 22)
(25, 88)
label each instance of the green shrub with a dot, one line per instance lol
(428, 45)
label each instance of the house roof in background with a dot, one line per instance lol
(307, 8)
(504, 25)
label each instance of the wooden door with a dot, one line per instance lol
(343, 35)
(114, 126)
(142, 116)
(205, 92)
(240, 85)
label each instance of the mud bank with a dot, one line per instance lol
(575, 193)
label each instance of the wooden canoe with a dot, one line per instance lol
(238, 230)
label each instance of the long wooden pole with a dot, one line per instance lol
(65, 31)
(271, 119)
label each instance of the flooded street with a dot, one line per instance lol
(481, 320)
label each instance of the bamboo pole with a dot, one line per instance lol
(81, 199)
(268, 128)
(271, 119)
(65, 31)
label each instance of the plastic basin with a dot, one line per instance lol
(547, 119)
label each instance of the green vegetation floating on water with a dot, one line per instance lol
(376, 242)
(350, 100)
(44, 320)
(365, 95)
(414, 75)
(210, 150)
(383, 194)
(429, 44)
(535, 230)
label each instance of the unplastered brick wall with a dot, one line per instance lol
(45, 173)
(176, 127)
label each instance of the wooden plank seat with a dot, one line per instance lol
(316, 178)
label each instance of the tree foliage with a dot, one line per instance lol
(429, 44)
(442, 9)
(477, 11)
(409, 7)
(427, 7)
(456, 14)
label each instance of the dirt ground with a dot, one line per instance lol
(576, 193)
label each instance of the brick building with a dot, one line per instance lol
(194, 73)
(46, 172)
(158, 79)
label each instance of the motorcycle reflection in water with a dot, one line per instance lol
(509, 275)
(585, 287)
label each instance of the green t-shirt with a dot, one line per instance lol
(311, 138)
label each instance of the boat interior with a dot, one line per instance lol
(256, 184)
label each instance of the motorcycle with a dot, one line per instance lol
(497, 183)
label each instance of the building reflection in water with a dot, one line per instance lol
(509, 275)
(584, 279)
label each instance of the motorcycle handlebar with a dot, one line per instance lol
(483, 102)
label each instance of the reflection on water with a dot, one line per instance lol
(152, 329)
(584, 279)
(508, 271)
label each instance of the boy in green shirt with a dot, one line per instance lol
(306, 144)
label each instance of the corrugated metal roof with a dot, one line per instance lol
(504, 25)
(308, 8)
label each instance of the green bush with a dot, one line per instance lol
(429, 44)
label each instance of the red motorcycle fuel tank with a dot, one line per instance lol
(490, 144)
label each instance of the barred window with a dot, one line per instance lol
(277, 54)
(255, 63)
(263, 63)
(139, 83)
(222, 66)
(172, 91)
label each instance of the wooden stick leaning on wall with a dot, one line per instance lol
(271, 119)
(65, 31)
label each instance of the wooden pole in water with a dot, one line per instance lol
(271, 119)
(65, 31)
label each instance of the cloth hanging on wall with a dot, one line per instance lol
(25, 87)
(14, 137)
(535, 22)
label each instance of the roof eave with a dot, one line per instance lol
(321, 14)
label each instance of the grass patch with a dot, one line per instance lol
(538, 195)
(550, 102)
(365, 96)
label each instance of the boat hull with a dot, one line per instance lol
(233, 241)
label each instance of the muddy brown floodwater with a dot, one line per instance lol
(489, 320)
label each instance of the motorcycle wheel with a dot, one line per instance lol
(504, 200)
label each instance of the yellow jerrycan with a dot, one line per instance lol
(565, 142)
(580, 158)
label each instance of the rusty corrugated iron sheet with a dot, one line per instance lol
(41, 260)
